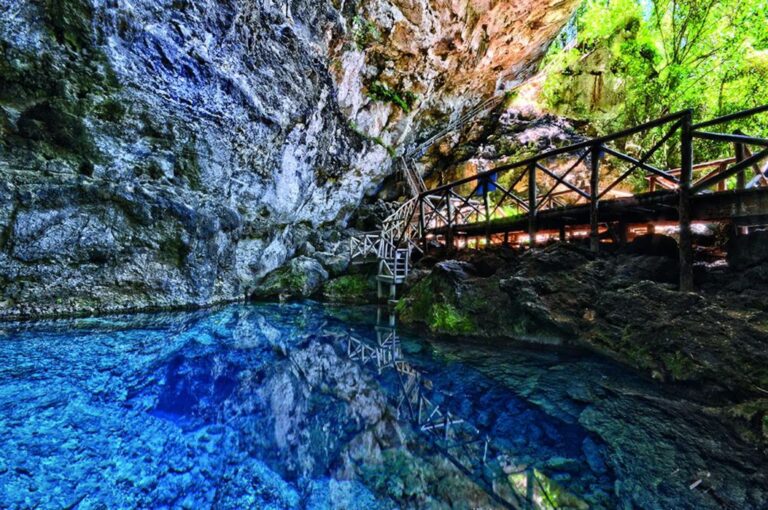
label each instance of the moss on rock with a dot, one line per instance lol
(303, 277)
(434, 303)
(70, 22)
(353, 289)
(445, 318)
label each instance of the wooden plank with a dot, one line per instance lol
(736, 168)
(731, 138)
(571, 148)
(732, 117)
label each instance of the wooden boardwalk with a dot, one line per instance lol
(581, 190)
(589, 190)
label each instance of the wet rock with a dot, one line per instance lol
(594, 456)
(350, 289)
(626, 306)
(656, 245)
(301, 278)
(747, 251)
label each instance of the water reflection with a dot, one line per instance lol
(273, 406)
(499, 472)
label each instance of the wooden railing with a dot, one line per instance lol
(592, 172)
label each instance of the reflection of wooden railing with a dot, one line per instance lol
(460, 442)
(531, 186)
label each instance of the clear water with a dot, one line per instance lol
(303, 406)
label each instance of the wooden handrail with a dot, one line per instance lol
(563, 150)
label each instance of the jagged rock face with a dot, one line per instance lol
(448, 54)
(508, 134)
(171, 153)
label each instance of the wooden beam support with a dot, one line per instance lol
(532, 204)
(422, 225)
(487, 214)
(594, 184)
(741, 155)
(623, 234)
(736, 138)
(685, 243)
(449, 232)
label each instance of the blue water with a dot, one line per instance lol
(305, 406)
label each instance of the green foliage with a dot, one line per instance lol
(348, 289)
(374, 139)
(364, 32)
(445, 318)
(679, 365)
(111, 110)
(379, 91)
(635, 60)
(427, 304)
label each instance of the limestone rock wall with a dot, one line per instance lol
(170, 152)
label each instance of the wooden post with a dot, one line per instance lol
(422, 225)
(594, 182)
(532, 204)
(721, 184)
(449, 232)
(686, 171)
(741, 155)
(562, 232)
(487, 215)
(623, 233)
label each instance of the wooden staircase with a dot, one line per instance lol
(397, 240)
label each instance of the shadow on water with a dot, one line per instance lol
(304, 406)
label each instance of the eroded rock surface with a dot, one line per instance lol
(175, 153)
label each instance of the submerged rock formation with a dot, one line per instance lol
(174, 153)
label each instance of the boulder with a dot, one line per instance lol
(302, 277)
(335, 263)
(653, 244)
(745, 251)
(626, 306)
